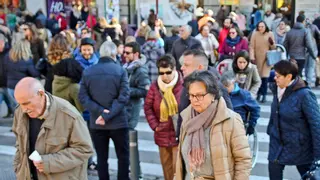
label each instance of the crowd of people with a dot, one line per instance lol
(201, 115)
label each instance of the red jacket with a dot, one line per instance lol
(165, 137)
(222, 36)
(63, 24)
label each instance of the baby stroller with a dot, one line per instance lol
(224, 66)
(276, 55)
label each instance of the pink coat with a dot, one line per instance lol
(231, 51)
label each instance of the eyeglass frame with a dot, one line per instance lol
(199, 97)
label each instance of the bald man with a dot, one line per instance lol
(52, 127)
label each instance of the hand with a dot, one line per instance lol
(253, 61)
(106, 111)
(250, 130)
(271, 41)
(39, 165)
(100, 121)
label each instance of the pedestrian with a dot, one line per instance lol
(269, 16)
(153, 51)
(37, 45)
(222, 15)
(256, 17)
(209, 43)
(242, 101)
(247, 75)
(62, 20)
(194, 25)
(234, 43)
(185, 42)
(139, 81)
(160, 28)
(225, 31)
(191, 61)
(87, 56)
(280, 32)
(75, 16)
(118, 31)
(213, 143)
(66, 70)
(152, 19)
(297, 40)
(168, 41)
(4, 96)
(294, 127)
(204, 20)
(120, 49)
(52, 127)
(104, 93)
(161, 109)
(261, 42)
(19, 65)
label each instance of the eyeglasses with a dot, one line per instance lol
(199, 97)
(167, 73)
(232, 32)
(126, 52)
(261, 26)
(25, 29)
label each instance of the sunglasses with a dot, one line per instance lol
(127, 52)
(232, 32)
(167, 73)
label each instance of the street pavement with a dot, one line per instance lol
(148, 150)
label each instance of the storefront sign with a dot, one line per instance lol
(229, 2)
(55, 6)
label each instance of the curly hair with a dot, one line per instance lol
(20, 51)
(58, 49)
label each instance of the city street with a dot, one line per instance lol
(149, 156)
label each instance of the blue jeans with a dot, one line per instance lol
(11, 97)
(133, 110)
(310, 70)
(276, 170)
(4, 96)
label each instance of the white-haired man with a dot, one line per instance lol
(185, 42)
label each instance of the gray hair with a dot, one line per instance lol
(188, 28)
(108, 49)
(228, 78)
(207, 78)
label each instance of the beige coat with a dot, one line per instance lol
(259, 45)
(63, 142)
(230, 152)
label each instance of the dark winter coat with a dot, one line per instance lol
(38, 50)
(105, 86)
(297, 40)
(181, 45)
(3, 70)
(165, 136)
(168, 43)
(19, 70)
(153, 51)
(294, 127)
(69, 68)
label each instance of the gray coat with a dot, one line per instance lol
(297, 40)
(253, 80)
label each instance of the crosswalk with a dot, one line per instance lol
(149, 151)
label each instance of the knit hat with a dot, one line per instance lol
(87, 41)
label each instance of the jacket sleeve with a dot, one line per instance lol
(143, 83)
(41, 49)
(74, 91)
(308, 40)
(225, 95)
(252, 46)
(119, 103)
(77, 153)
(76, 70)
(148, 108)
(286, 43)
(311, 112)
(214, 41)
(17, 158)
(240, 150)
(256, 82)
(85, 98)
(32, 71)
(254, 109)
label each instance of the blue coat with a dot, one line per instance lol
(19, 70)
(294, 126)
(243, 104)
(105, 86)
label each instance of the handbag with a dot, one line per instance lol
(273, 56)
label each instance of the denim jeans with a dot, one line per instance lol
(4, 96)
(310, 70)
(11, 97)
(134, 109)
(276, 170)
(120, 138)
(301, 64)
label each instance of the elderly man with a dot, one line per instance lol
(104, 91)
(191, 61)
(52, 127)
(185, 42)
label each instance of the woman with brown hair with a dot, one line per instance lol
(67, 71)
(37, 45)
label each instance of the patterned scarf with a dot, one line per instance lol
(168, 105)
(195, 128)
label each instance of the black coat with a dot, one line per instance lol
(69, 68)
(105, 86)
(3, 71)
(37, 49)
(168, 43)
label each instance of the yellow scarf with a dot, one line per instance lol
(168, 105)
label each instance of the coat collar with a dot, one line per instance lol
(106, 60)
(223, 113)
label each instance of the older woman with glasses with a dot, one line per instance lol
(161, 109)
(213, 143)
